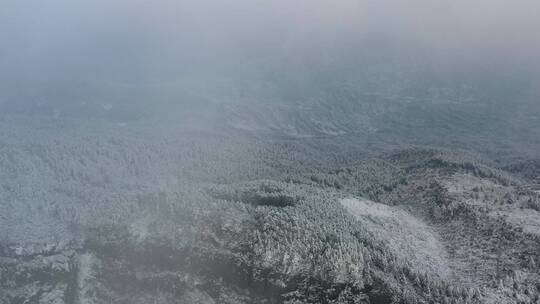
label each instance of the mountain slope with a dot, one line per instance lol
(102, 214)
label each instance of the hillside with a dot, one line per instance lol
(99, 213)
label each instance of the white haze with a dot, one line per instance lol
(57, 43)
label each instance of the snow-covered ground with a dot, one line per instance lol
(406, 235)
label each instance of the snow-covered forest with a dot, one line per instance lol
(238, 152)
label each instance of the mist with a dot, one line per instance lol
(269, 151)
(260, 47)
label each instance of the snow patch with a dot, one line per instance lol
(405, 235)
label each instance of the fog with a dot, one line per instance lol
(68, 51)
(269, 151)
